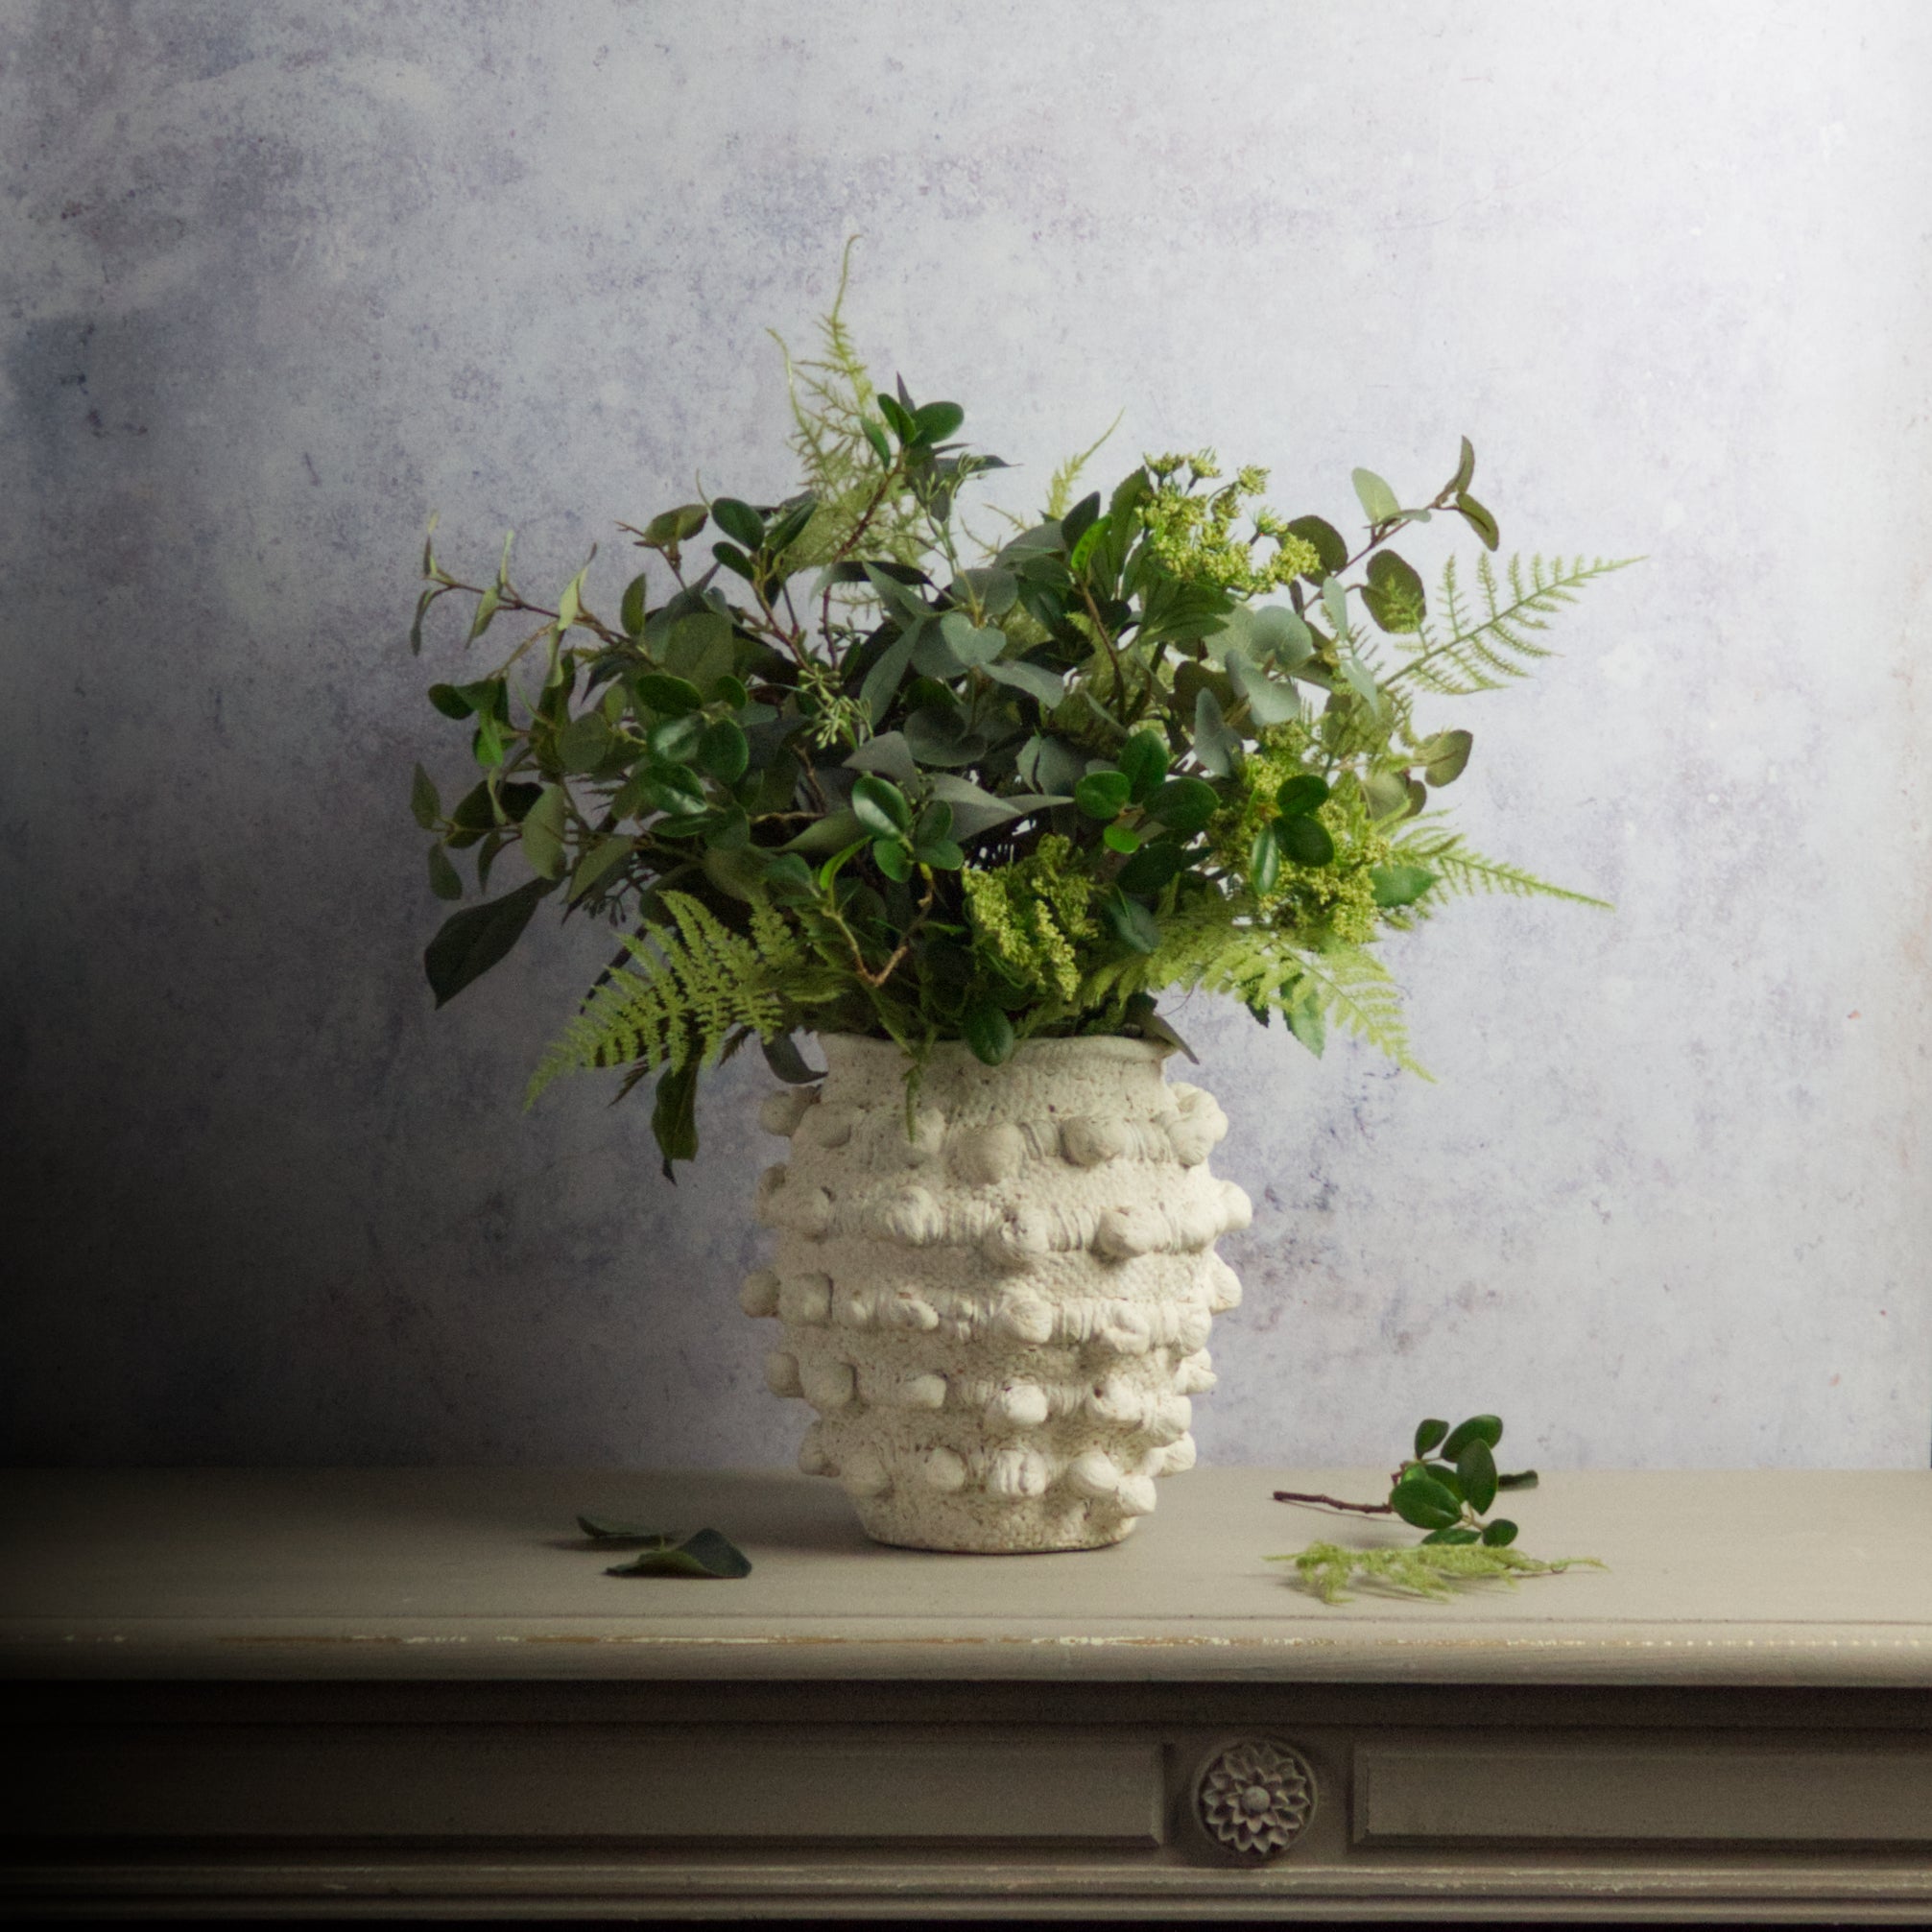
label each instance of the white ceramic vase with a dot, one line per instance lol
(997, 1298)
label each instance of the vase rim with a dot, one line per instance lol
(1100, 1046)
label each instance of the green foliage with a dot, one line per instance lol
(695, 982)
(1423, 1571)
(833, 762)
(1446, 1488)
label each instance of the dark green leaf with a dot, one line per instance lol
(449, 701)
(1476, 1468)
(989, 1032)
(1074, 524)
(1264, 862)
(724, 752)
(897, 418)
(1327, 542)
(976, 810)
(631, 612)
(791, 525)
(672, 527)
(1479, 520)
(1122, 839)
(876, 438)
(585, 743)
(1151, 867)
(1500, 1533)
(674, 1115)
(935, 821)
(727, 830)
(736, 561)
(1144, 760)
(880, 806)
(890, 754)
(1394, 593)
(935, 421)
(1377, 499)
(597, 865)
(543, 826)
(1455, 1533)
(739, 522)
(1102, 795)
(783, 1057)
(473, 941)
(1184, 805)
(1130, 922)
(443, 881)
(614, 1530)
(882, 681)
(942, 855)
(1305, 841)
(895, 858)
(1425, 1503)
(1518, 1479)
(669, 696)
(423, 804)
(1300, 794)
(1490, 1428)
(1466, 469)
(1400, 886)
(697, 647)
(703, 1554)
(1429, 1432)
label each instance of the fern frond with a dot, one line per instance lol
(1462, 873)
(831, 394)
(694, 985)
(1483, 651)
(1213, 949)
(1060, 487)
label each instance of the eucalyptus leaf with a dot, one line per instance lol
(882, 681)
(976, 810)
(1445, 756)
(1215, 745)
(890, 755)
(1478, 519)
(1270, 701)
(1394, 593)
(1279, 633)
(1131, 922)
(1377, 499)
(1047, 686)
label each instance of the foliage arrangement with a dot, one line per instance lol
(854, 767)
(1446, 1488)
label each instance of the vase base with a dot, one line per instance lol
(1020, 1529)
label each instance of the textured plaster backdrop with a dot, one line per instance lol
(281, 279)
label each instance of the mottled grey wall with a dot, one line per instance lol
(280, 279)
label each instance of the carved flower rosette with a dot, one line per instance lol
(996, 1297)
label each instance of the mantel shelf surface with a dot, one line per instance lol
(1771, 1577)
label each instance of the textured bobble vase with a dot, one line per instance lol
(999, 1305)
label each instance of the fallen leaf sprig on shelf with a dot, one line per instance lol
(665, 1553)
(1446, 1488)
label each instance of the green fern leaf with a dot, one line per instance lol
(694, 985)
(1482, 651)
(1462, 873)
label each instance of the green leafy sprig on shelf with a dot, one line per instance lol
(1446, 1488)
(849, 768)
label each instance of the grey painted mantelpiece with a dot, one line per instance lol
(276, 282)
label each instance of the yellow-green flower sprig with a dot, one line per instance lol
(1032, 914)
(1194, 535)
